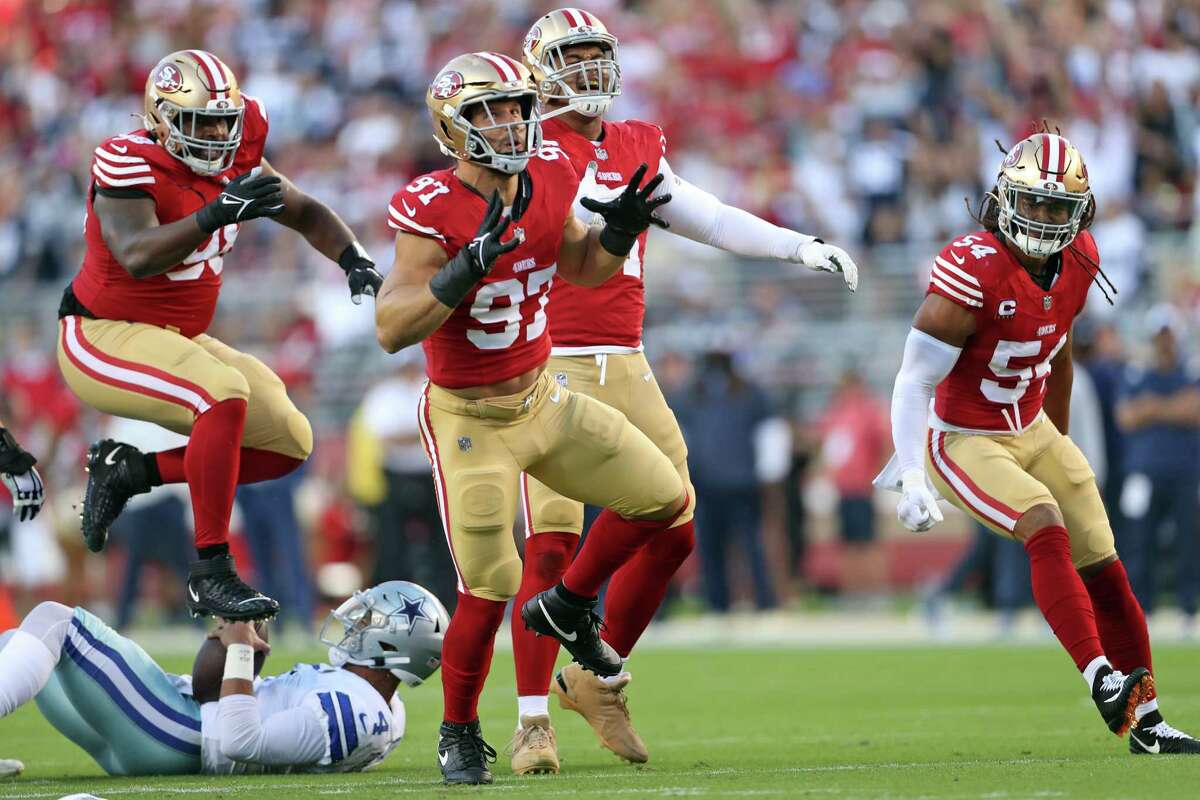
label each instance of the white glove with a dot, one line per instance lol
(821, 257)
(28, 492)
(918, 509)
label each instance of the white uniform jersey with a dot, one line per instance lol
(316, 718)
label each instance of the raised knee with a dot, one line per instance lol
(299, 436)
(1043, 515)
(45, 615)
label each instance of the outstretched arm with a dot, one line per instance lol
(698, 215)
(328, 234)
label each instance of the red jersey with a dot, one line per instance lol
(610, 314)
(999, 381)
(499, 330)
(185, 297)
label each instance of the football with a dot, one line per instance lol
(209, 667)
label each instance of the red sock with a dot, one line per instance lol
(1059, 593)
(211, 464)
(547, 556)
(637, 589)
(256, 465)
(611, 541)
(1119, 619)
(467, 655)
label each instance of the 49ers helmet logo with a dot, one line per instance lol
(1014, 156)
(447, 85)
(532, 38)
(169, 79)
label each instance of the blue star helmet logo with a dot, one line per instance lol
(413, 610)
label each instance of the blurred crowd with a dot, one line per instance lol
(866, 122)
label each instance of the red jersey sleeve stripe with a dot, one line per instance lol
(105, 180)
(116, 159)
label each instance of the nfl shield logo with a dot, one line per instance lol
(1046, 302)
(601, 154)
(464, 443)
(561, 378)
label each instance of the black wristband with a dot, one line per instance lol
(207, 219)
(13, 460)
(454, 280)
(352, 256)
(619, 243)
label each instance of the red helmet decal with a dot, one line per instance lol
(533, 37)
(169, 79)
(1014, 155)
(447, 85)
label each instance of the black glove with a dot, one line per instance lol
(460, 274)
(13, 460)
(629, 214)
(248, 196)
(360, 272)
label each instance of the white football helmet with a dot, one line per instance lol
(397, 626)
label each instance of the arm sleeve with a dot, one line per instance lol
(697, 215)
(927, 361)
(288, 738)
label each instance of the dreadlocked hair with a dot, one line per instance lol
(987, 214)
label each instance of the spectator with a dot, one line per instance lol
(855, 443)
(722, 417)
(1159, 411)
(1098, 350)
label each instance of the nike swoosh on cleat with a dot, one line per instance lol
(252, 599)
(1114, 697)
(1155, 749)
(192, 594)
(570, 637)
(443, 756)
(108, 459)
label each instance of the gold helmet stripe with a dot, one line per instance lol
(218, 82)
(505, 66)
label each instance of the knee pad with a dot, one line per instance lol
(559, 514)
(481, 501)
(497, 581)
(48, 622)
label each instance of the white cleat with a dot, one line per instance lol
(10, 767)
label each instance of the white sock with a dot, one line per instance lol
(532, 706)
(1145, 708)
(1089, 672)
(25, 667)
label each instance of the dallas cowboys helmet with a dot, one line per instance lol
(396, 625)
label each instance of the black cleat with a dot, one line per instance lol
(463, 754)
(1154, 737)
(214, 589)
(575, 625)
(1118, 695)
(116, 472)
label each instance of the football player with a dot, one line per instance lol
(165, 205)
(991, 345)
(20, 477)
(105, 694)
(597, 351)
(477, 302)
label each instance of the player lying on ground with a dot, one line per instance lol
(23, 482)
(991, 344)
(164, 207)
(491, 411)
(104, 693)
(597, 337)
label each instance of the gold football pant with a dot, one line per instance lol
(626, 383)
(998, 478)
(570, 442)
(139, 371)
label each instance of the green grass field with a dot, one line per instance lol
(919, 722)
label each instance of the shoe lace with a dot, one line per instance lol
(534, 736)
(1164, 731)
(1112, 681)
